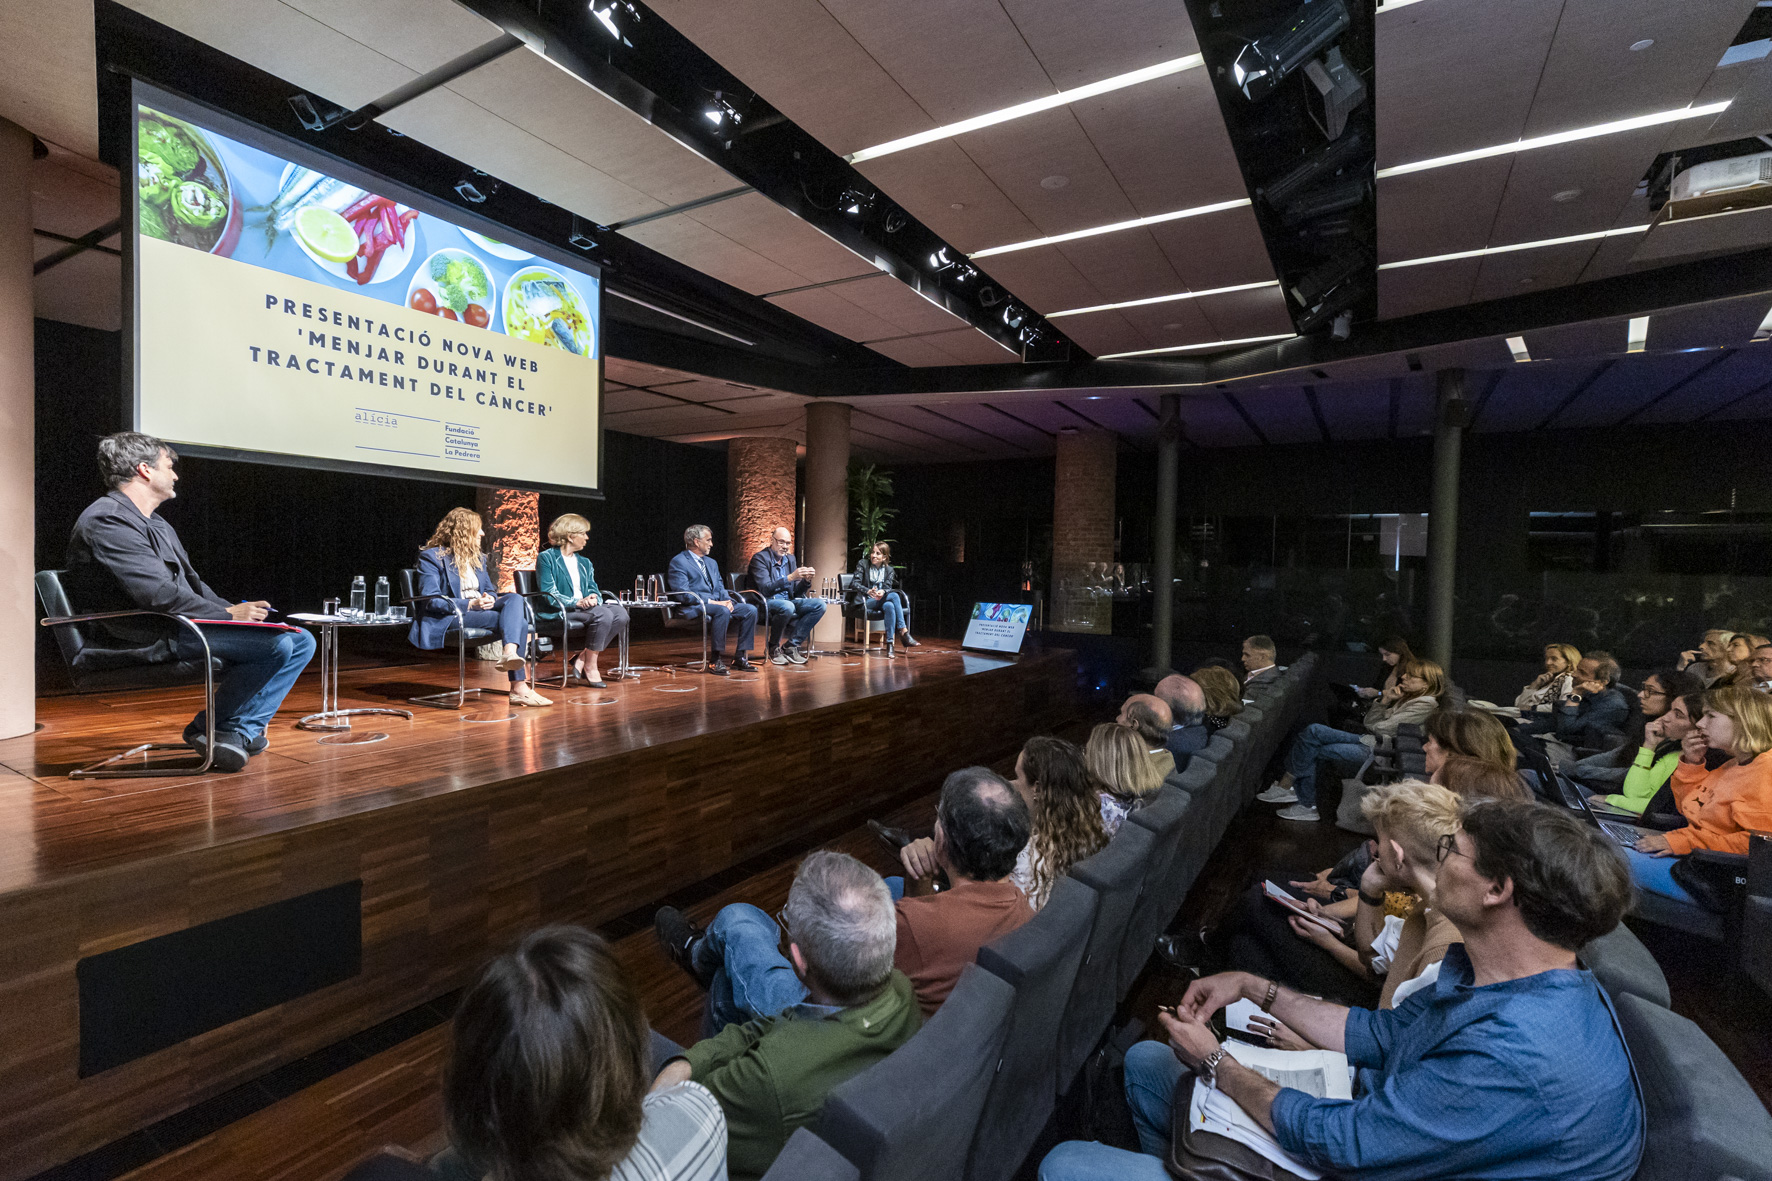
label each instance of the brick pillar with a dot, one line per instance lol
(513, 531)
(1082, 531)
(825, 547)
(759, 495)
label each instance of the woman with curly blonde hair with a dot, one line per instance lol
(456, 592)
(1051, 779)
(1553, 684)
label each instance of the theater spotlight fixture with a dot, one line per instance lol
(1269, 60)
(941, 260)
(1332, 90)
(581, 234)
(965, 274)
(606, 14)
(1014, 314)
(721, 111)
(855, 202)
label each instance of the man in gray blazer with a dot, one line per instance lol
(123, 556)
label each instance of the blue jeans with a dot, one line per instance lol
(803, 614)
(260, 667)
(895, 887)
(751, 978)
(1318, 741)
(891, 609)
(1655, 875)
(508, 619)
(1151, 1074)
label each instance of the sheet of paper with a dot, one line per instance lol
(1279, 894)
(1237, 1014)
(1321, 1073)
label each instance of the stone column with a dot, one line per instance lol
(1442, 519)
(759, 495)
(513, 531)
(1082, 531)
(826, 544)
(18, 615)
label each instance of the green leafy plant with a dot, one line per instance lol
(870, 493)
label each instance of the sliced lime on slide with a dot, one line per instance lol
(326, 233)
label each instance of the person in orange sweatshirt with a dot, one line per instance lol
(1722, 807)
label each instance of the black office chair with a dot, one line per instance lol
(464, 635)
(524, 581)
(96, 663)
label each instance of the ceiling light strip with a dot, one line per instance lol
(1135, 223)
(1022, 110)
(1517, 346)
(1143, 303)
(1488, 250)
(1637, 337)
(1205, 344)
(1561, 137)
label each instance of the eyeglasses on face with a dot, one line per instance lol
(1447, 846)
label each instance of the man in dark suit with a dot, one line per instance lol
(1258, 661)
(1187, 708)
(693, 573)
(785, 586)
(123, 556)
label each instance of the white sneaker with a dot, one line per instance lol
(1298, 812)
(1278, 795)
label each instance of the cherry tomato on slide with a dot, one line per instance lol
(448, 314)
(475, 315)
(424, 301)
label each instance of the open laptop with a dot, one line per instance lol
(1624, 834)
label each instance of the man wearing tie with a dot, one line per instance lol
(692, 574)
(784, 585)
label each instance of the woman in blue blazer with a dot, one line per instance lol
(570, 583)
(452, 576)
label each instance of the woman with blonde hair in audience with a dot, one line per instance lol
(1722, 807)
(1124, 777)
(1224, 694)
(1554, 683)
(1065, 812)
(1465, 776)
(1415, 697)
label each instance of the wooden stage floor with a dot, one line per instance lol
(459, 835)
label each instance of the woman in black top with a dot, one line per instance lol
(875, 587)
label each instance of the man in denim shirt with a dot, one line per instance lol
(785, 585)
(1510, 1065)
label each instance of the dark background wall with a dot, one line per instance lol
(293, 536)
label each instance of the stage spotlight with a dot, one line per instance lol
(581, 234)
(894, 220)
(721, 111)
(1311, 289)
(1332, 90)
(1348, 152)
(1328, 201)
(606, 14)
(1268, 60)
(855, 202)
(989, 296)
(941, 260)
(965, 274)
(1014, 314)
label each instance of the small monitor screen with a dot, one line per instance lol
(997, 627)
(290, 308)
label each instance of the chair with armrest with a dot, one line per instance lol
(739, 584)
(855, 616)
(527, 587)
(96, 663)
(675, 622)
(807, 1158)
(1117, 875)
(457, 697)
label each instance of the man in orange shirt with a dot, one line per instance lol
(981, 825)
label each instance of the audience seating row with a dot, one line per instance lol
(968, 1096)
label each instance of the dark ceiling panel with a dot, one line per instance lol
(1415, 404)
(1528, 392)
(1210, 421)
(1356, 409)
(1627, 386)
(1710, 325)
(1746, 370)
(1282, 413)
(1408, 290)
(1121, 415)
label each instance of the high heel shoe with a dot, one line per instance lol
(905, 638)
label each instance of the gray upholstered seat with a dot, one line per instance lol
(807, 1158)
(1116, 874)
(1621, 964)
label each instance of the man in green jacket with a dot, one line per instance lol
(771, 1074)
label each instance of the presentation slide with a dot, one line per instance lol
(285, 313)
(997, 627)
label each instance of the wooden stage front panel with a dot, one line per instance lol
(463, 836)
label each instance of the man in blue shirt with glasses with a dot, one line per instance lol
(784, 585)
(1510, 1065)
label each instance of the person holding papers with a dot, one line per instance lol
(1509, 1065)
(123, 556)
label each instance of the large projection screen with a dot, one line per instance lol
(290, 308)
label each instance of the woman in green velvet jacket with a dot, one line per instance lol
(570, 584)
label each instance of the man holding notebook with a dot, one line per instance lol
(124, 556)
(1510, 1065)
